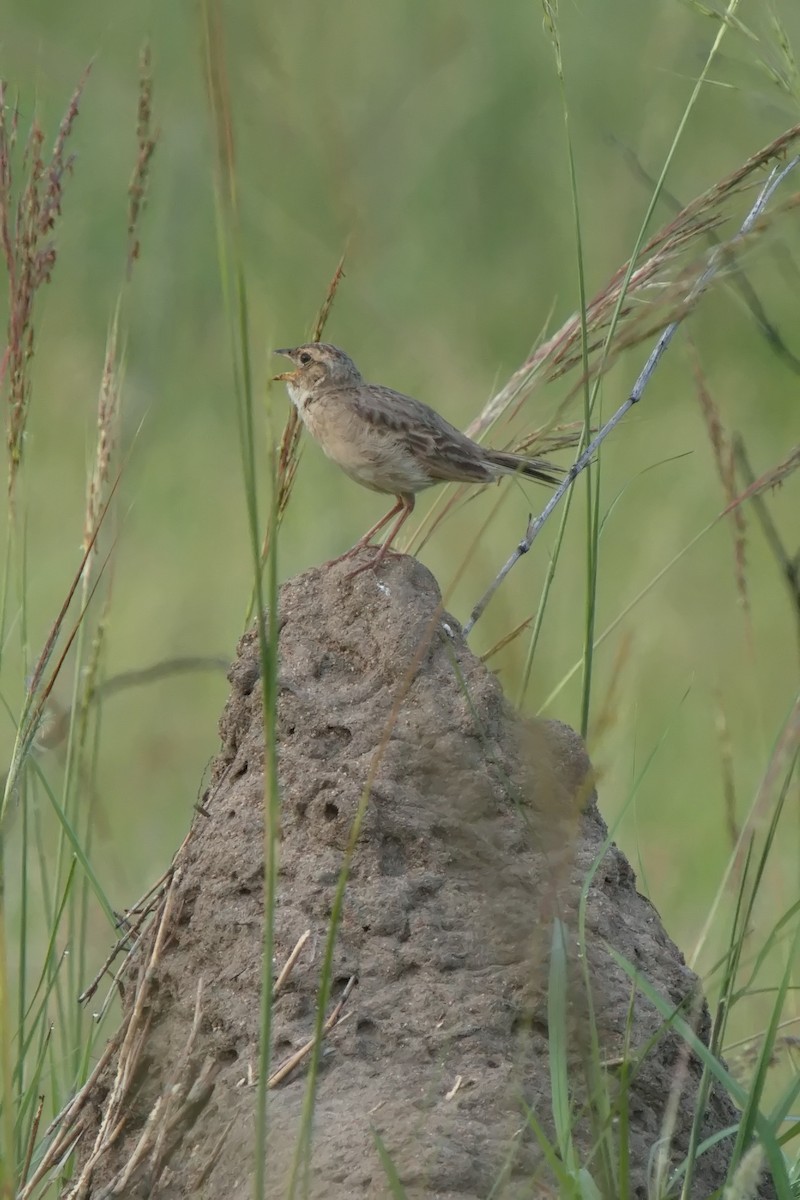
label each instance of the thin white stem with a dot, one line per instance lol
(535, 524)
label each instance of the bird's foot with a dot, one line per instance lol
(351, 553)
(373, 561)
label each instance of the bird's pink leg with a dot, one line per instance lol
(405, 507)
(365, 540)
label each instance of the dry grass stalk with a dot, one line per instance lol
(506, 639)
(108, 408)
(128, 1041)
(680, 1075)
(218, 88)
(280, 982)
(26, 226)
(728, 783)
(662, 290)
(768, 480)
(173, 1111)
(756, 220)
(27, 223)
(653, 279)
(608, 710)
(289, 452)
(542, 442)
(134, 941)
(788, 563)
(64, 1124)
(550, 439)
(216, 1150)
(32, 1138)
(722, 450)
(146, 142)
(143, 908)
(737, 276)
(134, 1037)
(294, 1060)
(108, 421)
(784, 752)
(452, 497)
(38, 696)
(177, 1090)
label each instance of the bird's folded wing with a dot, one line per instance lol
(444, 451)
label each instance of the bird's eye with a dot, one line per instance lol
(305, 358)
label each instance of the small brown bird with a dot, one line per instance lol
(387, 441)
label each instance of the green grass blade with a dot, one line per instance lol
(390, 1170)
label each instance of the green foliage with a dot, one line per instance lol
(432, 138)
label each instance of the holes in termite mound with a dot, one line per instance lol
(368, 1037)
(330, 741)
(338, 733)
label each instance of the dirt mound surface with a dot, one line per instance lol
(479, 832)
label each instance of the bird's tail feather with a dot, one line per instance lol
(534, 468)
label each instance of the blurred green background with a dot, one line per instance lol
(431, 136)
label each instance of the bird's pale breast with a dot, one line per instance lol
(374, 457)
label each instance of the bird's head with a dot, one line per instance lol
(318, 365)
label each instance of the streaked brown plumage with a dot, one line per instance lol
(387, 441)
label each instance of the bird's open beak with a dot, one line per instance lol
(285, 376)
